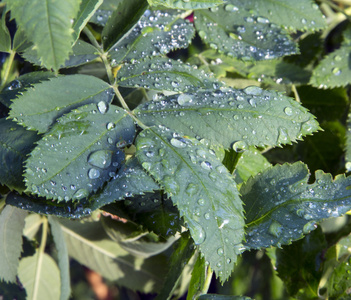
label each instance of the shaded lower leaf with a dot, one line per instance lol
(15, 144)
(198, 277)
(89, 245)
(165, 74)
(12, 291)
(348, 144)
(40, 278)
(183, 251)
(11, 225)
(62, 257)
(203, 191)
(282, 207)
(40, 106)
(83, 53)
(232, 118)
(79, 153)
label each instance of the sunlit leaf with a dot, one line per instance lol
(5, 38)
(187, 4)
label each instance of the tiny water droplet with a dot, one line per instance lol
(192, 189)
(288, 111)
(207, 216)
(184, 99)
(206, 165)
(110, 126)
(220, 251)
(336, 71)
(201, 202)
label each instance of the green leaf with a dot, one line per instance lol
(198, 278)
(82, 53)
(62, 257)
(301, 14)
(43, 274)
(49, 28)
(130, 180)
(20, 41)
(39, 107)
(187, 4)
(86, 11)
(156, 33)
(165, 74)
(203, 191)
(79, 153)
(348, 144)
(11, 224)
(5, 38)
(334, 69)
(122, 21)
(239, 33)
(12, 291)
(282, 207)
(222, 297)
(183, 251)
(232, 118)
(88, 244)
(339, 281)
(15, 144)
(21, 84)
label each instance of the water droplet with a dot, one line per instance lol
(228, 261)
(192, 189)
(146, 166)
(336, 71)
(283, 136)
(337, 58)
(275, 229)
(288, 111)
(230, 7)
(220, 251)
(102, 107)
(308, 227)
(16, 84)
(240, 146)
(80, 194)
(348, 166)
(110, 126)
(93, 173)
(303, 21)
(206, 165)
(201, 202)
(184, 99)
(207, 216)
(34, 188)
(262, 20)
(171, 185)
(53, 183)
(178, 143)
(101, 159)
(253, 90)
(197, 232)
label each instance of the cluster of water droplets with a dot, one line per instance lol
(165, 74)
(77, 169)
(161, 33)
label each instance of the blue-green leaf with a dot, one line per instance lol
(203, 191)
(5, 38)
(11, 224)
(186, 4)
(122, 20)
(232, 118)
(50, 28)
(282, 207)
(239, 33)
(156, 33)
(165, 74)
(40, 106)
(79, 153)
(348, 144)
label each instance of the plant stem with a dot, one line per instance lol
(8, 68)
(40, 257)
(207, 283)
(92, 38)
(108, 68)
(297, 97)
(336, 8)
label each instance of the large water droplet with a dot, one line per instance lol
(220, 251)
(253, 90)
(275, 229)
(93, 173)
(201, 202)
(283, 136)
(206, 165)
(240, 146)
(336, 71)
(171, 185)
(110, 125)
(178, 143)
(308, 227)
(197, 232)
(184, 99)
(288, 111)
(191, 189)
(80, 194)
(101, 159)
(102, 107)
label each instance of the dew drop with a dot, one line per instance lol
(220, 251)
(192, 189)
(231, 7)
(110, 126)
(197, 232)
(288, 111)
(178, 143)
(171, 185)
(184, 99)
(336, 71)
(253, 90)
(102, 107)
(207, 216)
(93, 173)
(275, 229)
(201, 202)
(262, 20)
(80, 194)
(283, 136)
(240, 146)
(101, 159)
(206, 165)
(348, 166)
(308, 227)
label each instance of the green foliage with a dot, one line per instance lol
(168, 130)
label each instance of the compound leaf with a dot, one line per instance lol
(50, 28)
(15, 144)
(156, 33)
(42, 274)
(237, 118)
(282, 207)
(239, 33)
(203, 190)
(302, 14)
(130, 180)
(41, 105)
(79, 153)
(165, 74)
(86, 11)
(62, 257)
(187, 4)
(122, 20)
(89, 245)
(11, 224)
